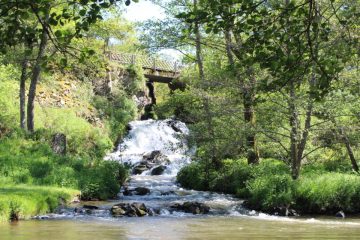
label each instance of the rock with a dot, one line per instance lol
(127, 192)
(90, 207)
(158, 170)
(151, 155)
(141, 191)
(292, 213)
(130, 210)
(340, 214)
(155, 158)
(139, 169)
(173, 125)
(284, 211)
(192, 207)
(168, 193)
(58, 143)
(118, 210)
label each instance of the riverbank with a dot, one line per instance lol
(268, 187)
(25, 201)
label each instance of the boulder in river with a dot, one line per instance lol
(340, 214)
(284, 211)
(158, 170)
(136, 191)
(91, 207)
(141, 191)
(192, 207)
(130, 210)
(156, 158)
(139, 169)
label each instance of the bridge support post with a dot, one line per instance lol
(150, 86)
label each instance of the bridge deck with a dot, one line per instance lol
(154, 69)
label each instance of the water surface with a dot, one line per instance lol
(215, 227)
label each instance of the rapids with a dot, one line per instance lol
(169, 138)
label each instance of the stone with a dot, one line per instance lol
(151, 155)
(118, 211)
(130, 210)
(58, 143)
(158, 170)
(141, 191)
(91, 207)
(340, 214)
(284, 212)
(127, 192)
(168, 193)
(155, 158)
(139, 169)
(172, 124)
(192, 207)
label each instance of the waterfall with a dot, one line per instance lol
(155, 150)
(162, 142)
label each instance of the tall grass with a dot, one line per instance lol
(24, 201)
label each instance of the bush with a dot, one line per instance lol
(103, 181)
(29, 161)
(232, 178)
(328, 193)
(193, 176)
(24, 201)
(269, 191)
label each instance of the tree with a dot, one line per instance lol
(291, 41)
(51, 18)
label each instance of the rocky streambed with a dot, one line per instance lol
(155, 151)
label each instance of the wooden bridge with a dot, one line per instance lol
(155, 70)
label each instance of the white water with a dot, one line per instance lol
(150, 135)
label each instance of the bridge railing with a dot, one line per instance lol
(146, 62)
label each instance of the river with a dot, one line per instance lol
(151, 144)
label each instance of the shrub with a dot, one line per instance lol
(192, 176)
(269, 191)
(24, 201)
(102, 181)
(232, 178)
(328, 193)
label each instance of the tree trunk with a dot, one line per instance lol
(294, 124)
(228, 41)
(22, 94)
(35, 78)
(248, 91)
(249, 117)
(346, 141)
(198, 47)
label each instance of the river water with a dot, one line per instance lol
(150, 144)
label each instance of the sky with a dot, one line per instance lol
(145, 10)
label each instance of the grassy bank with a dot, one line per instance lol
(268, 186)
(92, 124)
(24, 201)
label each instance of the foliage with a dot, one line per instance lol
(116, 113)
(328, 193)
(268, 185)
(24, 201)
(25, 161)
(192, 176)
(269, 191)
(102, 182)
